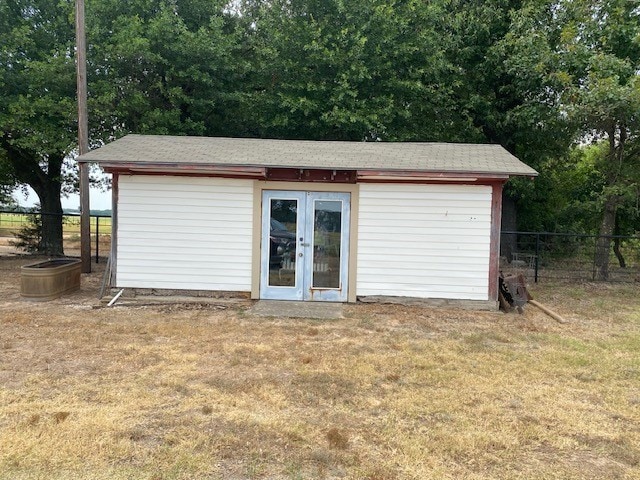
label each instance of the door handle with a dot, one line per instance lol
(305, 244)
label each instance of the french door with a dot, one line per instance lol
(305, 245)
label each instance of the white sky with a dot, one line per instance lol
(98, 200)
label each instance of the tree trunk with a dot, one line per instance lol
(616, 245)
(51, 205)
(615, 157)
(616, 250)
(48, 189)
(603, 244)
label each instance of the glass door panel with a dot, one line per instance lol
(281, 272)
(327, 228)
(327, 225)
(283, 226)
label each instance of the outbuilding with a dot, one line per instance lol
(307, 220)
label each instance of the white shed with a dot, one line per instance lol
(307, 220)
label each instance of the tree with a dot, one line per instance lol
(154, 67)
(349, 70)
(37, 108)
(162, 67)
(532, 75)
(605, 94)
(588, 53)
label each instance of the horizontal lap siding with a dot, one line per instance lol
(427, 241)
(184, 233)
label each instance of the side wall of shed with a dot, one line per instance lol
(185, 233)
(425, 241)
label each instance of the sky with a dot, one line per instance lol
(98, 200)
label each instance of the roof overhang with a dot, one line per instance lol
(301, 174)
(409, 176)
(228, 171)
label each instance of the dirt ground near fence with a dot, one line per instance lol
(6, 248)
(206, 391)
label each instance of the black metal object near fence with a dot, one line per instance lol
(12, 222)
(568, 256)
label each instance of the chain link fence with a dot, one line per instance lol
(544, 256)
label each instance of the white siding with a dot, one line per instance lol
(184, 233)
(427, 241)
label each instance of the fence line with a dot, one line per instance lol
(539, 255)
(11, 221)
(569, 256)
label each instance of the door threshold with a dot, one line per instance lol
(297, 309)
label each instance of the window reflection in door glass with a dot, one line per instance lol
(327, 223)
(282, 242)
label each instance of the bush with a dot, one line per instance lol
(29, 237)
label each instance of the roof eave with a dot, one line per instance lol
(231, 171)
(260, 172)
(398, 176)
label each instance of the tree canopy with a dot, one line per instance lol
(587, 53)
(37, 107)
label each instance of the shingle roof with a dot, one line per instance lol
(391, 156)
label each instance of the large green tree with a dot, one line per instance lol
(163, 67)
(587, 52)
(489, 93)
(154, 67)
(349, 70)
(37, 105)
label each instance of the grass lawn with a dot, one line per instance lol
(389, 392)
(13, 222)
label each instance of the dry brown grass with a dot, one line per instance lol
(390, 392)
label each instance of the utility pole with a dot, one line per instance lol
(83, 138)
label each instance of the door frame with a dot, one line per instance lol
(282, 292)
(306, 247)
(258, 188)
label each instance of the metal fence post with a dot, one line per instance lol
(97, 238)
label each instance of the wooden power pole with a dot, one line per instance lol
(83, 138)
